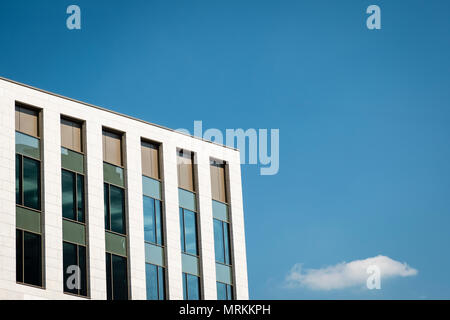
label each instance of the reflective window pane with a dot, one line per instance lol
(161, 283)
(120, 278)
(152, 281)
(155, 281)
(83, 270)
(185, 293)
(226, 242)
(193, 287)
(224, 291)
(32, 259)
(74, 256)
(80, 197)
(159, 226)
(229, 292)
(18, 179)
(69, 259)
(31, 183)
(117, 209)
(218, 241)
(221, 291)
(19, 255)
(183, 247)
(108, 277)
(106, 206)
(190, 232)
(68, 194)
(149, 220)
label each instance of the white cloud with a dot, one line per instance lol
(346, 274)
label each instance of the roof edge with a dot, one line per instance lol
(113, 112)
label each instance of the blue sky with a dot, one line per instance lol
(363, 116)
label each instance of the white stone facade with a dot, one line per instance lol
(53, 107)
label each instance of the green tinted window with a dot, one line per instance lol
(31, 183)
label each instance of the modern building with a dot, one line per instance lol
(99, 205)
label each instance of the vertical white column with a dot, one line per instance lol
(95, 213)
(7, 197)
(52, 214)
(208, 265)
(136, 254)
(238, 231)
(172, 221)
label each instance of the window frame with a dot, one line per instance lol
(229, 291)
(111, 270)
(108, 208)
(21, 183)
(158, 285)
(86, 271)
(185, 277)
(76, 174)
(41, 286)
(183, 232)
(226, 244)
(161, 220)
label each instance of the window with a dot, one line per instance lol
(153, 229)
(29, 268)
(27, 121)
(114, 198)
(28, 182)
(71, 135)
(116, 277)
(224, 291)
(112, 148)
(28, 258)
(115, 217)
(73, 209)
(150, 160)
(155, 276)
(153, 222)
(222, 242)
(218, 188)
(188, 228)
(191, 287)
(74, 262)
(185, 170)
(73, 195)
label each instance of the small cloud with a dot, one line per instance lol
(346, 274)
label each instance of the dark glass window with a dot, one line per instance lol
(31, 183)
(153, 221)
(116, 276)
(191, 287)
(224, 291)
(74, 255)
(155, 276)
(114, 209)
(72, 195)
(28, 258)
(80, 197)
(68, 194)
(28, 182)
(106, 206)
(188, 227)
(108, 277)
(222, 242)
(19, 186)
(19, 255)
